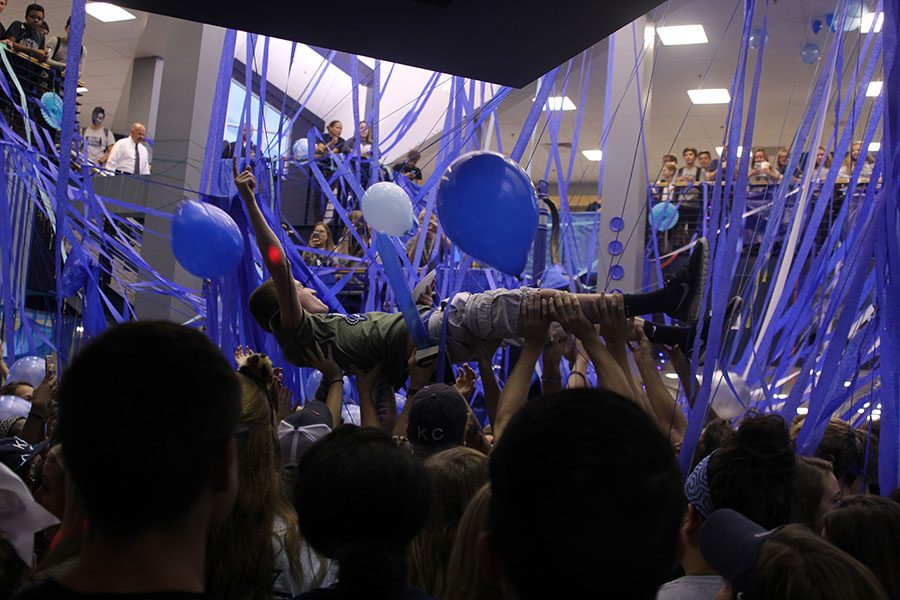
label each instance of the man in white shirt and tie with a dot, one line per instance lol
(129, 156)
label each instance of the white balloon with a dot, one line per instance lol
(350, 414)
(723, 399)
(387, 208)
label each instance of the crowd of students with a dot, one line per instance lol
(158, 465)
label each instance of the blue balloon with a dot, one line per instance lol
(757, 37)
(28, 369)
(817, 26)
(388, 209)
(810, 54)
(13, 406)
(664, 216)
(206, 240)
(75, 272)
(488, 207)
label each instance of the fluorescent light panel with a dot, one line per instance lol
(875, 147)
(874, 89)
(593, 155)
(721, 149)
(868, 19)
(81, 90)
(558, 103)
(710, 96)
(108, 13)
(682, 35)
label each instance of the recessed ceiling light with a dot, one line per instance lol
(874, 89)
(875, 147)
(802, 410)
(847, 384)
(721, 149)
(108, 13)
(710, 96)
(682, 35)
(81, 90)
(593, 155)
(672, 375)
(558, 103)
(868, 19)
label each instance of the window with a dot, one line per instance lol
(271, 118)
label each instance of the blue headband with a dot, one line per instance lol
(696, 489)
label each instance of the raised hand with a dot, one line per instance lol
(535, 314)
(245, 182)
(614, 324)
(566, 309)
(419, 376)
(640, 344)
(324, 362)
(241, 354)
(367, 380)
(465, 382)
(44, 393)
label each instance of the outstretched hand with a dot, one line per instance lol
(419, 376)
(284, 401)
(323, 361)
(615, 326)
(465, 382)
(241, 354)
(245, 181)
(640, 344)
(535, 314)
(567, 311)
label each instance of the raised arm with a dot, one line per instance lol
(671, 420)
(567, 310)
(418, 378)
(270, 247)
(333, 376)
(365, 386)
(535, 314)
(489, 381)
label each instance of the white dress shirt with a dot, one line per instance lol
(121, 157)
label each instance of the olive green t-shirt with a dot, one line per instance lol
(358, 340)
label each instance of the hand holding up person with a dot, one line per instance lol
(284, 400)
(465, 382)
(614, 325)
(366, 381)
(332, 374)
(535, 313)
(566, 309)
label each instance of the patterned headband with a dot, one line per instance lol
(696, 489)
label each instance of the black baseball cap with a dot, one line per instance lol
(437, 419)
(16, 453)
(730, 543)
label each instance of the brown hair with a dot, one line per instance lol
(868, 529)
(689, 149)
(263, 304)
(796, 563)
(807, 489)
(456, 474)
(241, 555)
(465, 580)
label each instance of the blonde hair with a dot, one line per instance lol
(465, 580)
(241, 556)
(456, 475)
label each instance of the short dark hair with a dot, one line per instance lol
(753, 471)
(603, 502)
(263, 304)
(350, 468)
(689, 149)
(36, 7)
(702, 152)
(140, 438)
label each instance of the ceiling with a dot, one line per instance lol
(511, 42)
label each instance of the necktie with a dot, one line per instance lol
(137, 160)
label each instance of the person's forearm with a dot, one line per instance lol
(269, 245)
(491, 388)
(368, 415)
(403, 419)
(578, 375)
(551, 380)
(609, 375)
(515, 392)
(33, 429)
(334, 400)
(665, 408)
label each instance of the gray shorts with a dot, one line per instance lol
(471, 318)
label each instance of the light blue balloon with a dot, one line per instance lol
(810, 54)
(13, 406)
(756, 38)
(52, 109)
(206, 240)
(487, 206)
(664, 216)
(28, 369)
(312, 383)
(388, 209)
(350, 414)
(301, 150)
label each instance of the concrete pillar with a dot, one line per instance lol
(192, 54)
(624, 172)
(144, 92)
